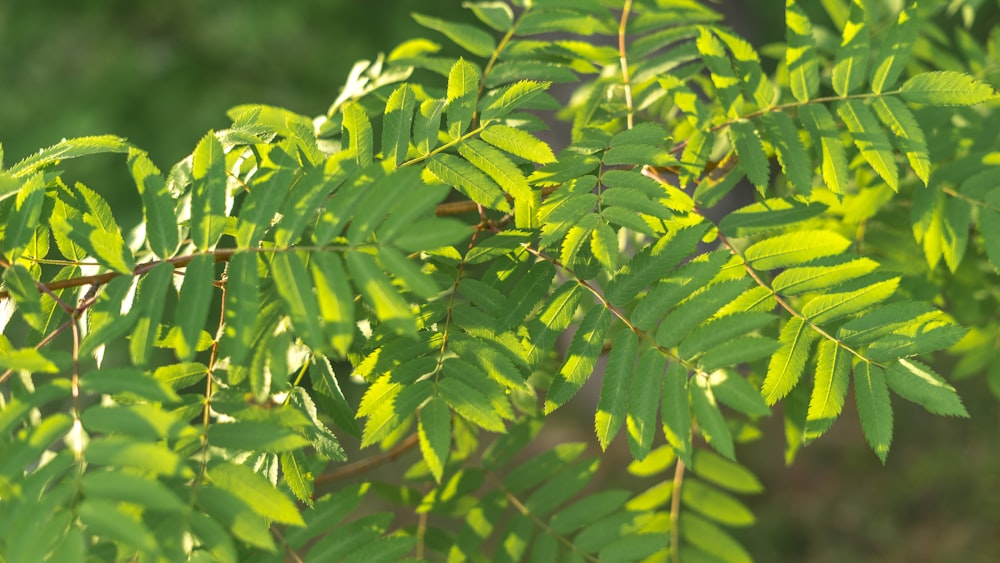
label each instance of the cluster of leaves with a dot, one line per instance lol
(175, 393)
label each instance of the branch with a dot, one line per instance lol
(626, 81)
(369, 463)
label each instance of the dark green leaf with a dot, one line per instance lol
(583, 352)
(613, 402)
(644, 398)
(874, 406)
(919, 383)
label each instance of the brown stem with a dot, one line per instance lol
(369, 463)
(626, 81)
(675, 513)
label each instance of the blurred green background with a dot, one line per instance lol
(162, 73)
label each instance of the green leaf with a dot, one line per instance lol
(581, 356)
(356, 535)
(753, 159)
(505, 173)
(518, 143)
(833, 367)
(644, 398)
(653, 263)
(526, 294)
(427, 124)
(208, 192)
(72, 148)
(613, 401)
(150, 302)
(870, 139)
(336, 300)
(255, 491)
(128, 380)
(466, 178)
(463, 84)
(240, 519)
(299, 481)
(793, 249)
(604, 245)
(587, 510)
(554, 317)
(711, 539)
(788, 363)
(119, 452)
(795, 281)
(563, 486)
(721, 330)
(179, 376)
(874, 406)
(292, 282)
(118, 486)
(946, 88)
(431, 234)
(242, 305)
(267, 193)
(103, 518)
(800, 53)
(434, 432)
(919, 384)
(193, 304)
(96, 231)
(330, 396)
(676, 411)
(895, 50)
(908, 135)
(255, 436)
(711, 423)
(157, 204)
(697, 309)
(23, 289)
(470, 38)
(397, 123)
(727, 82)
(791, 152)
(358, 130)
(768, 215)
(470, 404)
(851, 66)
(821, 127)
(497, 15)
(725, 473)
(389, 305)
(24, 218)
(833, 306)
(511, 97)
(715, 504)
(734, 391)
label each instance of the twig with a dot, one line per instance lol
(363, 465)
(675, 513)
(626, 81)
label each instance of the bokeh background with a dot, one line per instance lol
(161, 73)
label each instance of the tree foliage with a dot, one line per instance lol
(175, 391)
